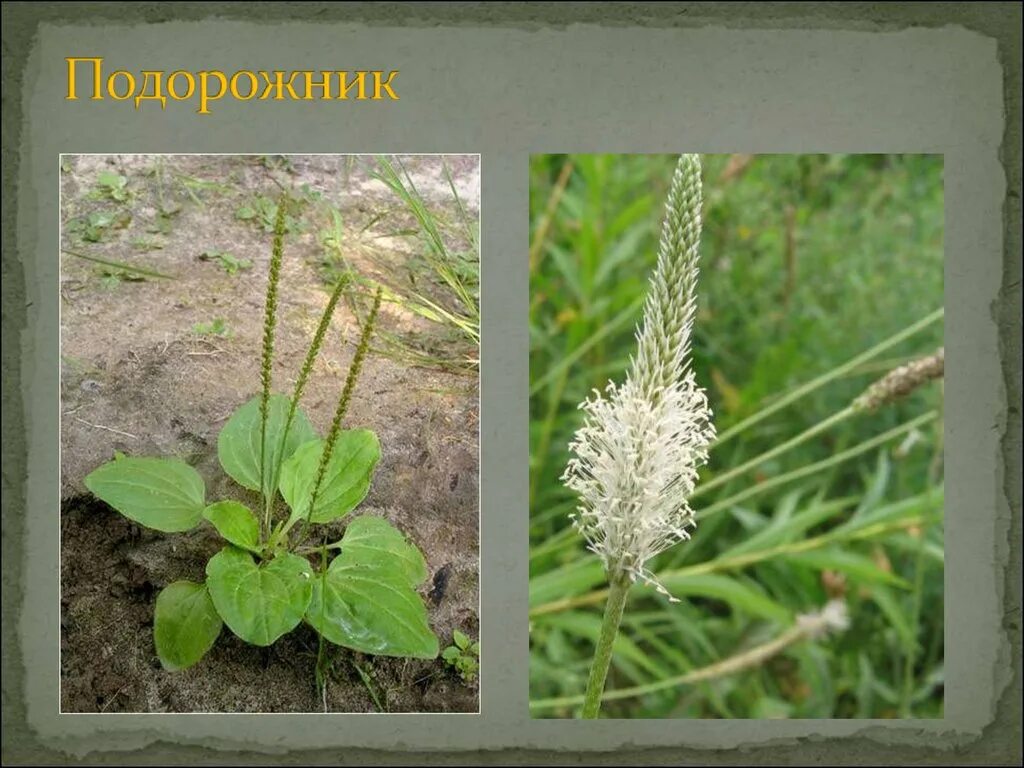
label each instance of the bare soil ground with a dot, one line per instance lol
(155, 367)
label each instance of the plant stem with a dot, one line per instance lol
(618, 588)
(321, 677)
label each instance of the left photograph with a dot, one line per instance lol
(270, 433)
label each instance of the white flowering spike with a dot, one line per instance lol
(637, 454)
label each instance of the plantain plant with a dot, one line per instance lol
(362, 594)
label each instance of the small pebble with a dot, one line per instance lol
(91, 385)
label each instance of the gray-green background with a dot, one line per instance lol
(683, 78)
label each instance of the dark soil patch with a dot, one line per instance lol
(137, 378)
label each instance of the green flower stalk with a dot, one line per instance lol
(317, 343)
(636, 457)
(269, 324)
(350, 383)
(307, 367)
(342, 407)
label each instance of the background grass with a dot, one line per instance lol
(439, 282)
(807, 261)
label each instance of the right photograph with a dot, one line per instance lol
(736, 436)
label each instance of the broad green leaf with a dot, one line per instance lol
(185, 624)
(346, 480)
(164, 494)
(460, 639)
(238, 445)
(259, 603)
(366, 602)
(236, 523)
(374, 541)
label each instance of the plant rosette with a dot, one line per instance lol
(365, 599)
(259, 584)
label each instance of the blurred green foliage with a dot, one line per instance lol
(807, 261)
